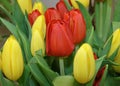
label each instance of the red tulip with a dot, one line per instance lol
(58, 39)
(52, 14)
(76, 24)
(33, 16)
(61, 7)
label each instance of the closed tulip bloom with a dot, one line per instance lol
(51, 14)
(37, 42)
(61, 7)
(0, 61)
(25, 5)
(84, 64)
(33, 16)
(58, 39)
(40, 25)
(76, 24)
(115, 44)
(38, 6)
(12, 59)
(83, 2)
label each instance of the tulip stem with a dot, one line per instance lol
(61, 63)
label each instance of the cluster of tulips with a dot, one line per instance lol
(59, 32)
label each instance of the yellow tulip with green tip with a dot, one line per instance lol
(84, 64)
(37, 42)
(0, 61)
(25, 5)
(83, 2)
(38, 6)
(115, 45)
(40, 25)
(12, 59)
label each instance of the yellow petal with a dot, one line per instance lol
(38, 6)
(40, 25)
(37, 42)
(12, 59)
(25, 5)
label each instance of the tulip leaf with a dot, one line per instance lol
(115, 25)
(32, 82)
(6, 4)
(10, 27)
(67, 4)
(64, 81)
(38, 75)
(4, 81)
(86, 15)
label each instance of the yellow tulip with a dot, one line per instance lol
(84, 2)
(84, 64)
(40, 25)
(12, 59)
(115, 44)
(0, 61)
(39, 6)
(25, 5)
(37, 42)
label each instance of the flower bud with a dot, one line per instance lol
(12, 59)
(37, 42)
(114, 46)
(83, 2)
(38, 6)
(25, 5)
(84, 64)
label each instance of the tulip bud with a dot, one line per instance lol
(76, 23)
(84, 64)
(58, 39)
(83, 2)
(37, 42)
(12, 59)
(40, 25)
(114, 46)
(51, 14)
(0, 61)
(25, 5)
(38, 6)
(33, 16)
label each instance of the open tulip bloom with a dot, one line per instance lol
(74, 43)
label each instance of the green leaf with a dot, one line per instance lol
(6, 4)
(64, 81)
(86, 15)
(67, 4)
(4, 81)
(115, 25)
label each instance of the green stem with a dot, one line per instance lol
(61, 63)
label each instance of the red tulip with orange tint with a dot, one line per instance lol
(33, 16)
(58, 39)
(52, 14)
(76, 23)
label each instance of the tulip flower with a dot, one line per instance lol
(33, 16)
(83, 2)
(114, 46)
(84, 64)
(37, 41)
(0, 61)
(38, 6)
(40, 25)
(76, 24)
(58, 39)
(51, 14)
(25, 5)
(12, 59)
(61, 7)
